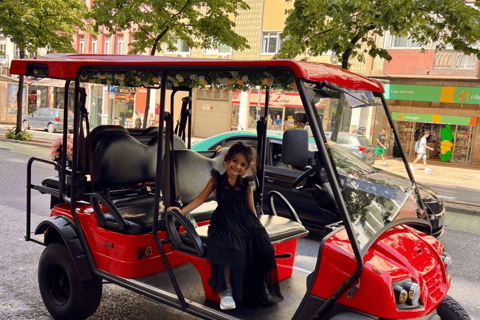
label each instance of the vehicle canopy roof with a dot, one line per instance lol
(66, 66)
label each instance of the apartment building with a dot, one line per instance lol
(433, 90)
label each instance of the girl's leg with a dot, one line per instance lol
(227, 272)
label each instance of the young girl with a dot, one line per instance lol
(242, 258)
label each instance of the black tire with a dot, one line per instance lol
(65, 296)
(25, 125)
(450, 309)
(51, 128)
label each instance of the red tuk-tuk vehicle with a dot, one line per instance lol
(108, 220)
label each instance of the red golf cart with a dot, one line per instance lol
(108, 221)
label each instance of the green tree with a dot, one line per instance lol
(34, 24)
(198, 23)
(342, 26)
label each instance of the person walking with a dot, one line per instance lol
(381, 146)
(421, 149)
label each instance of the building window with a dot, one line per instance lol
(120, 44)
(94, 45)
(3, 51)
(17, 51)
(107, 45)
(222, 49)
(82, 44)
(392, 41)
(271, 42)
(181, 47)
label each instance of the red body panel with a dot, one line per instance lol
(66, 66)
(118, 254)
(400, 253)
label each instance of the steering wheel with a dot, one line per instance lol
(297, 183)
(324, 184)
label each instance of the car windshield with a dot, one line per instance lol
(374, 195)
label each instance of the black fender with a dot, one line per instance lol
(61, 228)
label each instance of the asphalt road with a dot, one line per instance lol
(20, 298)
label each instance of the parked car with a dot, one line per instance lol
(357, 144)
(317, 208)
(49, 119)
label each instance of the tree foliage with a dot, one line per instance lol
(34, 24)
(198, 23)
(342, 26)
(205, 24)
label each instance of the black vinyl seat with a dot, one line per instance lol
(278, 229)
(122, 165)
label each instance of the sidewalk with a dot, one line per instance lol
(445, 174)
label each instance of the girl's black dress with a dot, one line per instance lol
(236, 238)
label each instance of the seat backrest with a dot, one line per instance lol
(194, 172)
(119, 159)
(150, 135)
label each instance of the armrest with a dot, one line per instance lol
(271, 205)
(95, 199)
(198, 247)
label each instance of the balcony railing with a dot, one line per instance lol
(453, 60)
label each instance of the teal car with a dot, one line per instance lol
(315, 207)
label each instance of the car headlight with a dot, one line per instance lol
(407, 294)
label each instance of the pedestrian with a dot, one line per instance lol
(278, 122)
(242, 258)
(421, 149)
(381, 146)
(361, 130)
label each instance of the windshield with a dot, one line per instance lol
(373, 177)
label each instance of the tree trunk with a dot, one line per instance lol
(18, 129)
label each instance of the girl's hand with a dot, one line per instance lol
(174, 208)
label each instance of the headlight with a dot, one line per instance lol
(413, 290)
(447, 259)
(407, 294)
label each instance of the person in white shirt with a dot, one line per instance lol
(422, 151)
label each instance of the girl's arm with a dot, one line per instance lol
(250, 202)
(200, 199)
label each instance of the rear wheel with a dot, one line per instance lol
(450, 309)
(65, 296)
(51, 128)
(25, 125)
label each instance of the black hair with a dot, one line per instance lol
(240, 148)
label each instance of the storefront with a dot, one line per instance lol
(462, 129)
(285, 110)
(449, 113)
(8, 99)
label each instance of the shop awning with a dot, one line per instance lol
(46, 82)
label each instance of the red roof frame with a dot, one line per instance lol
(66, 66)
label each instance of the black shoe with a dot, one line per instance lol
(264, 296)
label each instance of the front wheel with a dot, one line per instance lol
(65, 296)
(450, 309)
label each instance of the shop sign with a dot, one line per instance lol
(432, 93)
(287, 99)
(434, 118)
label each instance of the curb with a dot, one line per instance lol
(38, 143)
(460, 207)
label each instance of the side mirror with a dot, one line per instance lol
(295, 147)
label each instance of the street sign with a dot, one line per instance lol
(112, 89)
